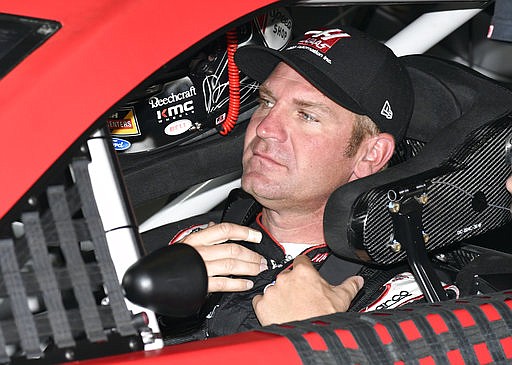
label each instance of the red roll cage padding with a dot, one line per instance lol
(475, 330)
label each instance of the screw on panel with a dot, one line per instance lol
(395, 246)
(426, 237)
(394, 207)
(422, 199)
(442, 257)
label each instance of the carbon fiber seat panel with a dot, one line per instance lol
(463, 120)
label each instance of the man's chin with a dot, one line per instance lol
(261, 190)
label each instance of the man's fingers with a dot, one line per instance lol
(509, 183)
(234, 267)
(229, 251)
(223, 232)
(302, 261)
(223, 284)
(349, 288)
(223, 260)
(257, 298)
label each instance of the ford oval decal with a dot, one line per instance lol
(120, 144)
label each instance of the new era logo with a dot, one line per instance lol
(386, 110)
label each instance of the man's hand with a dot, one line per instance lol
(302, 293)
(229, 258)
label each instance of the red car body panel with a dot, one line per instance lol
(245, 348)
(103, 50)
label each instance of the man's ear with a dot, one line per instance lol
(373, 155)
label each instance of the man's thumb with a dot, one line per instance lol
(351, 286)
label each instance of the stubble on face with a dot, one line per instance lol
(266, 167)
(290, 162)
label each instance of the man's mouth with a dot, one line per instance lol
(266, 158)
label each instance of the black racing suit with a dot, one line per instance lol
(227, 313)
(234, 312)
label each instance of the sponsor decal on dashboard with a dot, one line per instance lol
(178, 127)
(156, 102)
(175, 111)
(220, 119)
(120, 144)
(276, 28)
(123, 123)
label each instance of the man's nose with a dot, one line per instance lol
(272, 125)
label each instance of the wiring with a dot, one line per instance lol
(234, 84)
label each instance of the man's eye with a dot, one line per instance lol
(265, 103)
(308, 117)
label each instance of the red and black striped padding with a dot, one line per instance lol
(476, 330)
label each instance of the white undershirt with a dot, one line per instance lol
(293, 249)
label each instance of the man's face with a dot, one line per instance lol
(294, 153)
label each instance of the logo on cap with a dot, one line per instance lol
(322, 40)
(386, 110)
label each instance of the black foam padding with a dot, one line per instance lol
(160, 172)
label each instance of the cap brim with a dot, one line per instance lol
(258, 62)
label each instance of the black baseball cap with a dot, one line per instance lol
(348, 66)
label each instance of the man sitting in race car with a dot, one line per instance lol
(332, 106)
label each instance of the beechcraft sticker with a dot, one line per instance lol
(124, 123)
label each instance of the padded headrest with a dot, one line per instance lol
(461, 118)
(435, 106)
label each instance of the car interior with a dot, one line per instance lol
(440, 207)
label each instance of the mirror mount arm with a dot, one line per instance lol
(408, 231)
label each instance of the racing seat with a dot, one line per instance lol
(471, 113)
(445, 183)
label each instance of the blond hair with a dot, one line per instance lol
(363, 127)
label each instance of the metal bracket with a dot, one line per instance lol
(118, 221)
(408, 228)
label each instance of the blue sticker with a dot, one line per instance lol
(120, 144)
